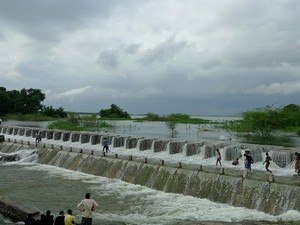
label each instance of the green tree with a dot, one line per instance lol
(30, 100)
(4, 101)
(50, 111)
(26, 101)
(291, 113)
(261, 122)
(154, 117)
(114, 112)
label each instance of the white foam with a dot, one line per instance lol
(166, 206)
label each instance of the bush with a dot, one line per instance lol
(114, 112)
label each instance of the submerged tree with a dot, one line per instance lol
(114, 112)
(264, 122)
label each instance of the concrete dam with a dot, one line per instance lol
(273, 194)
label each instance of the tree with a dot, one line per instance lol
(292, 114)
(4, 101)
(50, 111)
(262, 122)
(114, 112)
(26, 101)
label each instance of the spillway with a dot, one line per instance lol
(79, 151)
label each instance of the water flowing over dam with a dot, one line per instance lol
(189, 174)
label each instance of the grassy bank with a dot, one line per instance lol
(86, 123)
(27, 117)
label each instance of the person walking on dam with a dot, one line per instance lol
(248, 161)
(218, 155)
(87, 206)
(38, 137)
(297, 163)
(105, 145)
(267, 162)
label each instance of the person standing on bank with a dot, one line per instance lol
(60, 219)
(87, 206)
(105, 145)
(48, 219)
(267, 162)
(218, 158)
(69, 218)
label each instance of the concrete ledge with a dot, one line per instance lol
(14, 211)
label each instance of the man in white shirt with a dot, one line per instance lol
(87, 206)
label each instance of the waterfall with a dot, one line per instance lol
(160, 145)
(254, 193)
(174, 147)
(232, 152)
(17, 153)
(184, 149)
(138, 144)
(62, 137)
(112, 141)
(281, 158)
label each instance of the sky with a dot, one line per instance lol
(197, 57)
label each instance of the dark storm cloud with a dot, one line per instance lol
(108, 59)
(195, 56)
(162, 52)
(132, 49)
(48, 19)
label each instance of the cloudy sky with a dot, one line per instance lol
(199, 57)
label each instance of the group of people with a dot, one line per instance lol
(48, 219)
(249, 161)
(86, 206)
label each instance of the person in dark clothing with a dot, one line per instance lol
(48, 218)
(235, 162)
(248, 161)
(29, 220)
(218, 155)
(60, 219)
(105, 145)
(43, 221)
(297, 163)
(38, 137)
(38, 222)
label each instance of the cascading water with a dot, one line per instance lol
(221, 188)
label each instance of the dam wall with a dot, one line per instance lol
(230, 150)
(256, 190)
